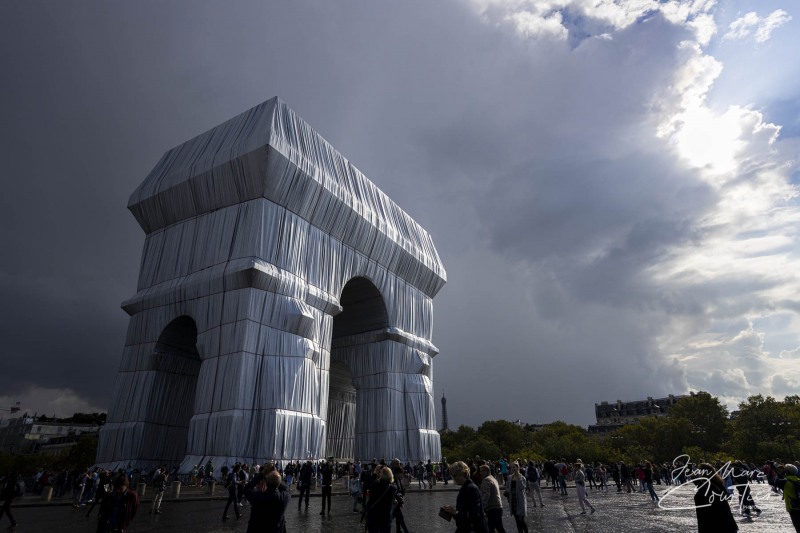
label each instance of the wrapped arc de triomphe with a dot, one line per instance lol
(283, 308)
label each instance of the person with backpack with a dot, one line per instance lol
(13, 487)
(533, 477)
(562, 470)
(790, 485)
(289, 473)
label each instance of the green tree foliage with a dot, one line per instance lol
(82, 455)
(704, 420)
(455, 443)
(559, 439)
(653, 438)
(508, 437)
(767, 429)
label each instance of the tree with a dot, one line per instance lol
(559, 439)
(705, 418)
(455, 443)
(654, 438)
(766, 427)
(82, 455)
(509, 437)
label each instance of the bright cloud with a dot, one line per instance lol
(557, 18)
(760, 29)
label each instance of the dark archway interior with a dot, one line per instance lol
(363, 310)
(176, 365)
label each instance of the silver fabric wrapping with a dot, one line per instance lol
(283, 308)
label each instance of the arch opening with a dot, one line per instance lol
(176, 367)
(363, 311)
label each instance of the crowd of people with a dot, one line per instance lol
(378, 489)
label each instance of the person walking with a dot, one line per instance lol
(327, 484)
(580, 487)
(515, 492)
(78, 486)
(159, 486)
(13, 488)
(232, 484)
(378, 509)
(468, 512)
(533, 476)
(104, 485)
(741, 478)
(490, 498)
(625, 474)
(399, 518)
(208, 471)
(711, 502)
(304, 483)
(354, 486)
(419, 471)
(648, 481)
(789, 485)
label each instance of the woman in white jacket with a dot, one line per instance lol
(515, 492)
(580, 487)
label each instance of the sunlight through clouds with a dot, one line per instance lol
(739, 259)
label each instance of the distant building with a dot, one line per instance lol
(611, 416)
(27, 435)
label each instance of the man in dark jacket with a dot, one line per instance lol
(304, 483)
(326, 469)
(468, 512)
(269, 500)
(118, 508)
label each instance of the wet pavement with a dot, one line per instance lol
(616, 512)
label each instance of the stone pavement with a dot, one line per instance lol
(616, 512)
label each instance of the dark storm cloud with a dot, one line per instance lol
(534, 164)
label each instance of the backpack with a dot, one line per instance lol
(794, 502)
